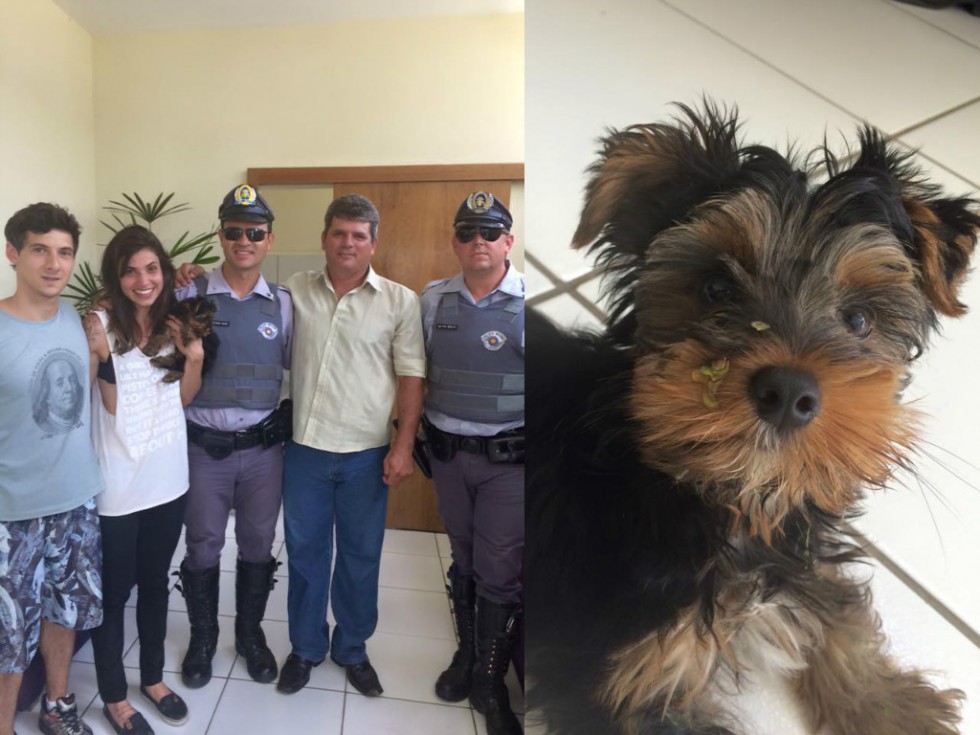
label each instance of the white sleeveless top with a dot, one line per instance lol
(143, 448)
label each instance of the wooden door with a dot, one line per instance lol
(415, 247)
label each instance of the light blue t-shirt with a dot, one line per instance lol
(47, 464)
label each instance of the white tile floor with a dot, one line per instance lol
(797, 70)
(414, 642)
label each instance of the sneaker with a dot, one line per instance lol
(63, 718)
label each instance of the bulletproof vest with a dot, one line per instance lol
(248, 369)
(476, 361)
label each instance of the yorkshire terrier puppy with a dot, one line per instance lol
(195, 316)
(690, 469)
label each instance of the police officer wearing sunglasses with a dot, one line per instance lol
(235, 430)
(474, 428)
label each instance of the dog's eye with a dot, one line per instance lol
(717, 289)
(858, 322)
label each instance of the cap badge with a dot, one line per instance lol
(245, 195)
(479, 202)
(493, 340)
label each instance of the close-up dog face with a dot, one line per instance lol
(774, 318)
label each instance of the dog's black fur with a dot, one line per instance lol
(624, 544)
(195, 316)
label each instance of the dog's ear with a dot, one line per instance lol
(945, 238)
(647, 177)
(941, 232)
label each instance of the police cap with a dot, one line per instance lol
(483, 209)
(245, 204)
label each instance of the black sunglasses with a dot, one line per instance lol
(468, 234)
(254, 234)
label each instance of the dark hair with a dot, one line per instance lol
(355, 207)
(40, 218)
(122, 313)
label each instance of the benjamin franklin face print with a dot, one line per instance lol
(57, 392)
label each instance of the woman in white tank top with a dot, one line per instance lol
(140, 438)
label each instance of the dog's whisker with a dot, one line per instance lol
(942, 465)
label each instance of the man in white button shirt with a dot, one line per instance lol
(357, 350)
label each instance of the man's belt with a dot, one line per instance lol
(233, 440)
(504, 448)
(273, 429)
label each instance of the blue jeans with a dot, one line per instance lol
(321, 489)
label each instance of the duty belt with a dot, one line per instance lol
(505, 448)
(243, 439)
(273, 429)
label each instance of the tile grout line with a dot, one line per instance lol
(217, 703)
(935, 118)
(562, 287)
(928, 22)
(916, 587)
(765, 62)
(800, 83)
(544, 270)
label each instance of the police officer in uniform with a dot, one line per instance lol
(474, 428)
(235, 432)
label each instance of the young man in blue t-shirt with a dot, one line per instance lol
(49, 475)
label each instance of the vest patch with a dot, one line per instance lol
(493, 340)
(447, 326)
(219, 323)
(268, 330)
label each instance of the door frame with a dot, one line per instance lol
(325, 175)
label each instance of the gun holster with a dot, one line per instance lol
(442, 445)
(277, 427)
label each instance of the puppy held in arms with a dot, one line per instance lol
(690, 469)
(195, 316)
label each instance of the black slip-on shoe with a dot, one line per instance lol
(172, 708)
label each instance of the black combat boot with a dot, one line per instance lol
(453, 684)
(200, 590)
(496, 636)
(252, 586)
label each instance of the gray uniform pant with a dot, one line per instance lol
(248, 481)
(482, 505)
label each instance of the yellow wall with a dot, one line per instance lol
(47, 137)
(190, 111)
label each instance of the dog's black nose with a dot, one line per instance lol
(786, 398)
